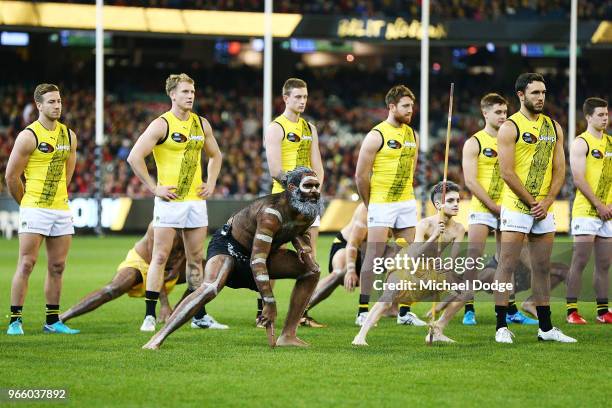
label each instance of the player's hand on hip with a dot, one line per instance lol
(268, 314)
(205, 190)
(351, 280)
(166, 192)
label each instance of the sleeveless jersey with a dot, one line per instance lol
(178, 156)
(295, 146)
(533, 158)
(489, 176)
(393, 167)
(598, 174)
(45, 172)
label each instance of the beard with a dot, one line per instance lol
(531, 107)
(307, 208)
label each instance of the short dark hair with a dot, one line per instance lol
(293, 83)
(42, 89)
(491, 99)
(398, 92)
(525, 79)
(436, 191)
(588, 108)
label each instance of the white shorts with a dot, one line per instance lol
(483, 218)
(45, 221)
(180, 214)
(591, 226)
(518, 222)
(393, 215)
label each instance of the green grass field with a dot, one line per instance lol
(104, 365)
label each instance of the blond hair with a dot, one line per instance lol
(42, 89)
(291, 84)
(175, 79)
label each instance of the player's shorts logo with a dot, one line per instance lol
(179, 138)
(529, 138)
(24, 224)
(504, 221)
(45, 148)
(394, 144)
(489, 152)
(292, 137)
(597, 154)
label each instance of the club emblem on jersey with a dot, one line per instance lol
(292, 137)
(597, 154)
(45, 148)
(179, 138)
(487, 151)
(394, 144)
(529, 138)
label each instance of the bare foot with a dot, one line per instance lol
(150, 346)
(530, 308)
(359, 341)
(435, 335)
(290, 341)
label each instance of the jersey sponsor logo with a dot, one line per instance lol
(487, 151)
(597, 154)
(394, 144)
(608, 154)
(550, 139)
(529, 138)
(45, 147)
(62, 147)
(292, 137)
(197, 138)
(409, 144)
(178, 137)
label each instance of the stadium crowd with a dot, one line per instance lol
(342, 113)
(440, 9)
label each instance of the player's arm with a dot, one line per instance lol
(211, 147)
(71, 161)
(506, 143)
(272, 140)
(143, 147)
(358, 234)
(470, 174)
(268, 223)
(315, 154)
(540, 210)
(578, 153)
(371, 144)
(422, 246)
(25, 143)
(416, 154)
(303, 246)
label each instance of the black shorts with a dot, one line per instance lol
(340, 243)
(222, 243)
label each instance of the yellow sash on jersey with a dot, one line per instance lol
(178, 156)
(45, 172)
(533, 158)
(295, 146)
(598, 174)
(393, 167)
(488, 176)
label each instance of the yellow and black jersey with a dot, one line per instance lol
(295, 146)
(393, 167)
(598, 174)
(178, 156)
(533, 157)
(489, 176)
(45, 172)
